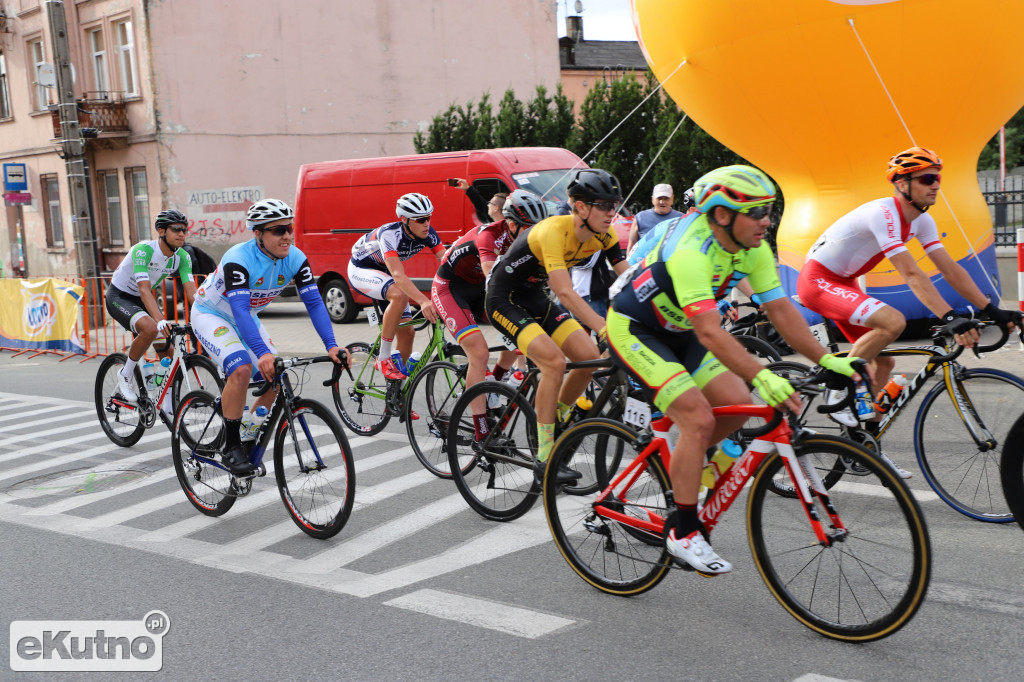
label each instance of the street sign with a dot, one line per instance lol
(15, 179)
(17, 198)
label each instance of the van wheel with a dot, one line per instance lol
(338, 299)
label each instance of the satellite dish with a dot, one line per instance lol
(579, 6)
(47, 75)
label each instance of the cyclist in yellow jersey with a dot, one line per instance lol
(519, 306)
(664, 330)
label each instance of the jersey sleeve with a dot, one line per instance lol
(548, 245)
(764, 275)
(928, 233)
(387, 241)
(310, 295)
(141, 255)
(690, 272)
(435, 241)
(184, 266)
(486, 245)
(884, 224)
(613, 252)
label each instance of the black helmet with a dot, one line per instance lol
(170, 217)
(594, 184)
(524, 208)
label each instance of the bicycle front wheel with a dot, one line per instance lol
(1012, 470)
(120, 419)
(495, 476)
(612, 555)
(314, 470)
(432, 396)
(360, 393)
(962, 472)
(872, 576)
(198, 429)
(198, 373)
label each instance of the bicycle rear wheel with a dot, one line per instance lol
(208, 487)
(1011, 465)
(495, 476)
(120, 419)
(433, 395)
(611, 555)
(359, 393)
(314, 469)
(759, 348)
(869, 582)
(964, 474)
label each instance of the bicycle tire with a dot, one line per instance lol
(1011, 469)
(497, 481)
(966, 476)
(433, 394)
(208, 488)
(119, 420)
(867, 585)
(359, 393)
(612, 556)
(199, 373)
(315, 472)
(758, 347)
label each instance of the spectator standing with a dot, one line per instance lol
(662, 199)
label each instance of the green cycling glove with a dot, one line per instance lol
(773, 388)
(842, 366)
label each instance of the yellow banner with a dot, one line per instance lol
(39, 313)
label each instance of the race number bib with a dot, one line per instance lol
(637, 413)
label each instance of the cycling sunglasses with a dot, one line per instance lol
(606, 206)
(424, 219)
(279, 230)
(758, 212)
(929, 179)
(177, 228)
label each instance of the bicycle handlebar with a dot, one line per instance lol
(837, 382)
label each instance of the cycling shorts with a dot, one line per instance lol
(460, 305)
(839, 299)
(124, 307)
(665, 364)
(222, 341)
(374, 284)
(530, 315)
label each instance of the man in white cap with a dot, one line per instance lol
(646, 220)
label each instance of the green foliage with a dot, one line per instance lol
(989, 159)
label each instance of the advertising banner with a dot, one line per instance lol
(39, 313)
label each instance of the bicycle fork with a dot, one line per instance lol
(802, 472)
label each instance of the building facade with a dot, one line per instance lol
(206, 106)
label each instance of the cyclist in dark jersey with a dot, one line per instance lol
(458, 291)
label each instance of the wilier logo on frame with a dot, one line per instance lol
(89, 645)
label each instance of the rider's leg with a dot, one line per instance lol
(397, 300)
(475, 346)
(885, 324)
(506, 359)
(145, 333)
(550, 359)
(578, 347)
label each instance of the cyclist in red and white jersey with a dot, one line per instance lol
(879, 229)
(458, 292)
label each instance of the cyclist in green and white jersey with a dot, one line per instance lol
(130, 298)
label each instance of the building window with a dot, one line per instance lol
(126, 57)
(51, 210)
(138, 209)
(38, 58)
(112, 208)
(99, 59)
(5, 96)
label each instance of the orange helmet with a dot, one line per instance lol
(912, 160)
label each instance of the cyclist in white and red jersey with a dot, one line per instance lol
(879, 229)
(376, 265)
(458, 291)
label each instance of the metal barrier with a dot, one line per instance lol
(1006, 207)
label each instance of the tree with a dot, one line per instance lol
(989, 159)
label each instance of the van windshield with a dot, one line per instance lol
(549, 184)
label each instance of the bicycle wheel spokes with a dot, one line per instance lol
(872, 578)
(314, 470)
(198, 436)
(120, 420)
(359, 394)
(610, 554)
(962, 472)
(495, 476)
(198, 373)
(432, 395)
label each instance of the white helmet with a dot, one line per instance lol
(524, 208)
(413, 205)
(267, 211)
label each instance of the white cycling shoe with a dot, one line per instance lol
(127, 390)
(695, 551)
(901, 472)
(846, 417)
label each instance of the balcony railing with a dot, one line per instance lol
(102, 112)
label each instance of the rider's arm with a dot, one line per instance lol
(793, 328)
(920, 283)
(188, 282)
(634, 234)
(958, 278)
(402, 281)
(561, 284)
(722, 344)
(236, 291)
(148, 299)
(310, 295)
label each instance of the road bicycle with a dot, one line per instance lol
(313, 463)
(753, 331)
(852, 562)
(963, 419)
(124, 422)
(496, 475)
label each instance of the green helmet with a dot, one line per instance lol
(735, 187)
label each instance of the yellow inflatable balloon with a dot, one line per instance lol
(820, 93)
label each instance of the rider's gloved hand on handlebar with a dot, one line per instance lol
(958, 326)
(1004, 318)
(844, 365)
(773, 388)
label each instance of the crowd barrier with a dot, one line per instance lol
(101, 334)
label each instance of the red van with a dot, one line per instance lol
(339, 201)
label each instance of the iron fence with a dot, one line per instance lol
(1006, 206)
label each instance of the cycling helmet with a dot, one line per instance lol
(169, 217)
(688, 199)
(413, 205)
(910, 161)
(594, 184)
(734, 187)
(524, 208)
(267, 211)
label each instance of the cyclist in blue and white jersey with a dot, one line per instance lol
(224, 316)
(376, 265)
(129, 297)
